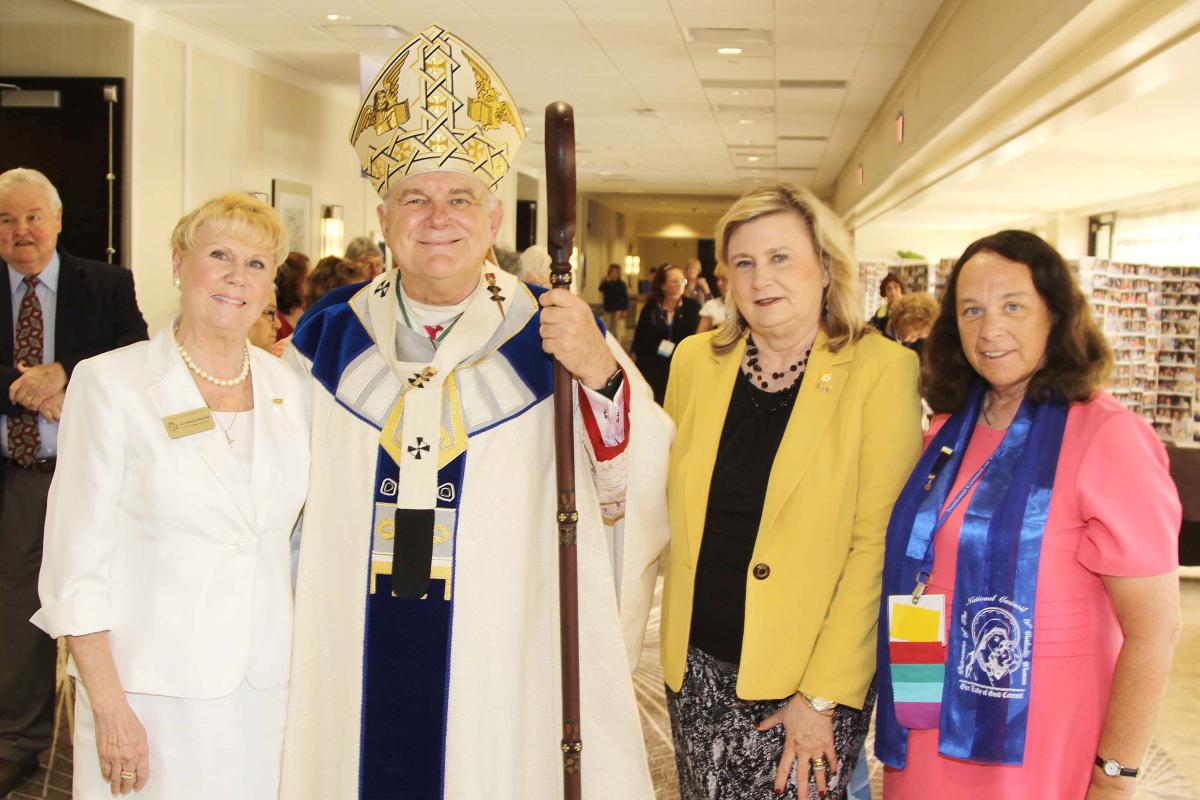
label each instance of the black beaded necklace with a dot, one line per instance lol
(781, 398)
(757, 374)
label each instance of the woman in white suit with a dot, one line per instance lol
(182, 469)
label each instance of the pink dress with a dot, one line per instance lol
(1115, 511)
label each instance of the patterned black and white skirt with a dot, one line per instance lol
(722, 756)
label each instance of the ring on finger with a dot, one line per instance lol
(128, 775)
(819, 765)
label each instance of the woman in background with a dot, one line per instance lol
(289, 292)
(713, 312)
(666, 320)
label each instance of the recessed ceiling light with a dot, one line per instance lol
(605, 172)
(752, 158)
(729, 51)
(745, 122)
(337, 17)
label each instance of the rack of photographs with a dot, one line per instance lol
(917, 275)
(1151, 317)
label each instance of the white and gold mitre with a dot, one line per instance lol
(436, 105)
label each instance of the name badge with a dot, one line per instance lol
(189, 422)
(665, 348)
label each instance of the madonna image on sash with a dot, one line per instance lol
(1040, 518)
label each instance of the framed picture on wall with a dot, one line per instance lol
(293, 201)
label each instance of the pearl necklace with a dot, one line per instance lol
(208, 376)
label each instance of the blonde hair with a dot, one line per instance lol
(918, 308)
(236, 214)
(842, 310)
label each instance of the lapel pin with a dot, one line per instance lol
(826, 379)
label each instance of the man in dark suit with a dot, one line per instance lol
(58, 311)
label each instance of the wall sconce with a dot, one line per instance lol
(633, 265)
(333, 231)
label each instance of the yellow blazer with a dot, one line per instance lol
(850, 444)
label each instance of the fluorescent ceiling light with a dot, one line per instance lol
(729, 51)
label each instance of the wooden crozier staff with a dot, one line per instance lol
(560, 196)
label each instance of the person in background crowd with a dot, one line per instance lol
(507, 259)
(666, 320)
(331, 273)
(890, 289)
(1031, 603)
(182, 470)
(616, 301)
(713, 312)
(795, 431)
(363, 250)
(534, 266)
(262, 332)
(911, 317)
(60, 310)
(289, 292)
(697, 285)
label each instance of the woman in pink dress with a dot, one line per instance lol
(1031, 606)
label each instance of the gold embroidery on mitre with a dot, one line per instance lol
(387, 111)
(424, 112)
(488, 108)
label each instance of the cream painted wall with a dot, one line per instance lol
(654, 251)
(604, 233)
(878, 240)
(204, 125)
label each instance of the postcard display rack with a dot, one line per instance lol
(918, 276)
(1151, 317)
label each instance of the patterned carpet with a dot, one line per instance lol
(1161, 780)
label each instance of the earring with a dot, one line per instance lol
(178, 283)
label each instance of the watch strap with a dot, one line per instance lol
(1122, 771)
(610, 387)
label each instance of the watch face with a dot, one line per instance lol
(1111, 768)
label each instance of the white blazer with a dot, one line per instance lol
(159, 541)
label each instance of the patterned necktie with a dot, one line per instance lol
(23, 436)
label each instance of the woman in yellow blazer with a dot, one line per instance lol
(796, 431)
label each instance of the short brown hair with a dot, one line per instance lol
(331, 273)
(1078, 359)
(891, 277)
(842, 319)
(289, 282)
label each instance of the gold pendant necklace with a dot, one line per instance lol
(226, 431)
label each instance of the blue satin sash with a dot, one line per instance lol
(985, 697)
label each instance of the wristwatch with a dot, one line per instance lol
(821, 705)
(610, 387)
(1113, 769)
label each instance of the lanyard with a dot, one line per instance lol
(927, 565)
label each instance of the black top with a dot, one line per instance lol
(651, 329)
(754, 427)
(616, 296)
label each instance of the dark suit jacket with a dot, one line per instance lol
(96, 312)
